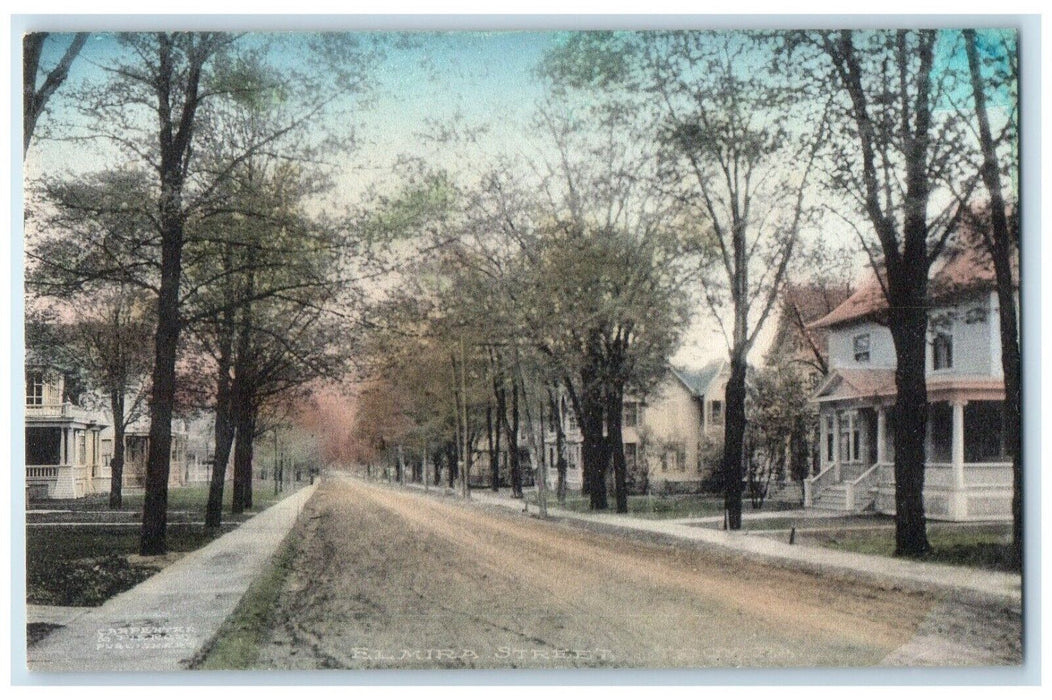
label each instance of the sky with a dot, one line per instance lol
(484, 78)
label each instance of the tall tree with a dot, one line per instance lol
(1001, 236)
(728, 132)
(157, 91)
(893, 151)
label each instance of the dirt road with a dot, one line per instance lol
(385, 578)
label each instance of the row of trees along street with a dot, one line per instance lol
(210, 212)
(663, 173)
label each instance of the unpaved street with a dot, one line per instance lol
(385, 578)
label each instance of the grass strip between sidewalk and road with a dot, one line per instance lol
(237, 643)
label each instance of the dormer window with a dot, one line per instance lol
(861, 345)
(942, 350)
(34, 389)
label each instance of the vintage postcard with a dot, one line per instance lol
(523, 348)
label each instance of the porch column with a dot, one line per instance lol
(958, 442)
(62, 446)
(959, 499)
(836, 446)
(822, 456)
(882, 429)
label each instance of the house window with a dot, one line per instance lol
(861, 344)
(674, 458)
(717, 412)
(942, 349)
(630, 414)
(35, 389)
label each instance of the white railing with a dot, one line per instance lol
(814, 485)
(939, 474)
(42, 472)
(59, 410)
(988, 474)
(861, 485)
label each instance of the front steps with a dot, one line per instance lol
(834, 498)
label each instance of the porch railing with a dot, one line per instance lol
(59, 410)
(860, 486)
(988, 474)
(941, 474)
(814, 485)
(49, 471)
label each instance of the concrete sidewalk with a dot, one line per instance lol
(993, 585)
(161, 623)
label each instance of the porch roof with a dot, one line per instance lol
(848, 384)
(844, 384)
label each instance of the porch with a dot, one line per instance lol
(968, 475)
(62, 454)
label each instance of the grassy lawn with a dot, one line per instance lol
(236, 645)
(86, 564)
(666, 507)
(184, 498)
(801, 522)
(985, 546)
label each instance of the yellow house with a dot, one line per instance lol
(667, 436)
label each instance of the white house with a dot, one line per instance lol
(665, 436)
(136, 454)
(62, 441)
(68, 447)
(968, 475)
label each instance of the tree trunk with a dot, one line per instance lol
(909, 328)
(246, 430)
(117, 463)
(560, 449)
(734, 440)
(162, 401)
(451, 462)
(224, 427)
(614, 401)
(999, 243)
(492, 449)
(593, 447)
(513, 444)
(175, 133)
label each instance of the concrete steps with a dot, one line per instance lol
(834, 498)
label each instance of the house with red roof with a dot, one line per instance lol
(968, 473)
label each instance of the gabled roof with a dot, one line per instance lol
(962, 269)
(855, 384)
(697, 381)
